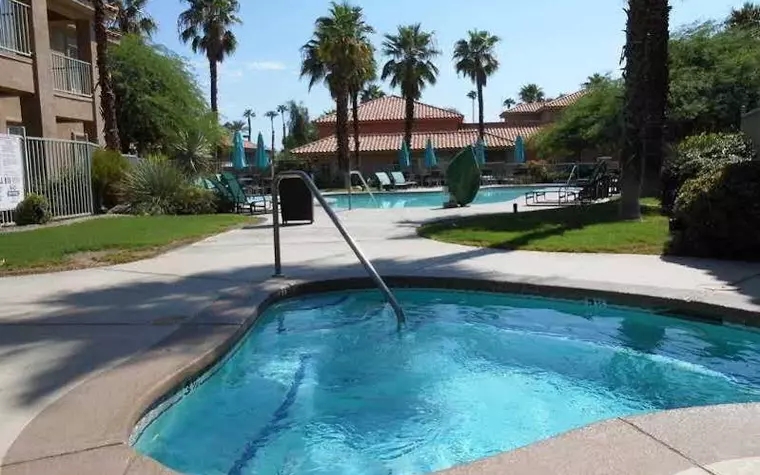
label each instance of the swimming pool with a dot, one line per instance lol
(325, 384)
(423, 199)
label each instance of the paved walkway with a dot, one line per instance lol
(58, 329)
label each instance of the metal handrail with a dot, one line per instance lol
(401, 319)
(366, 186)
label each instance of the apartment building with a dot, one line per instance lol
(48, 74)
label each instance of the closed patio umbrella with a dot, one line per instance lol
(262, 157)
(519, 150)
(238, 152)
(480, 152)
(404, 159)
(430, 158)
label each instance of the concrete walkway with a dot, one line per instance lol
(56, 330)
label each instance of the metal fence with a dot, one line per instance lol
(61, 171)
(14, 27)
(72, 75)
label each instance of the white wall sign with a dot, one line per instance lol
(11, 172)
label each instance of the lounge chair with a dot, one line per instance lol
(383, 181)
(241, 200)
(400, 182)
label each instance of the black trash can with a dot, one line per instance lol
(296, 202)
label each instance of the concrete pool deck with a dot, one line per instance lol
(82, 353)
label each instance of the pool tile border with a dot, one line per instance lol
(88, 430)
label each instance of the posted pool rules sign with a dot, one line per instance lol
(11, 172)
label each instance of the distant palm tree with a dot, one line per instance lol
(235, 126)
(531, 93)
(206, 25)
(410, 66)
(249, 114)
(132, 19)
(596, 80)
(371, 92)
(107, 95)
(475, 57)
(271, 115)
(472, 95)
(508, 103)
(282, 109)
(337, 47)
(748, 17)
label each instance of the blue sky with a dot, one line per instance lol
(554, 43)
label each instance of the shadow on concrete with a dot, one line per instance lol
(744, 277)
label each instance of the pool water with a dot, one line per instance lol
(422, 199)
(326, 385)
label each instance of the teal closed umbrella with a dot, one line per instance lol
(519, 150)
(430, 159)
(262, 157)
(238, 152)
(480, 152)
(404, 159)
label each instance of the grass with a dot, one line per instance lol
(593, 229)
(106, 241)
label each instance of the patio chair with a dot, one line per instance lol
(400, 182)
(383, 181)
(255, 204)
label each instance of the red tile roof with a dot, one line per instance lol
(558, 103)
(565, 100)
(526, 107)
(392, 142)
(394, 108)
(511, 133)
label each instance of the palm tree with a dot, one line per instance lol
(235, 126)
(646, 88)
(531, 93)
(107, 95)
(508, 102)
(132, 19)
(366, 71)
(748, 17)
(371, 92)
(596, 80)
(336, 49)
(206, 26)
(282, 109)
(249, 114)
(472, 95)
(410, 66)
(475, 57)
(271, 115)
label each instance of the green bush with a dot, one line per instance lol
(34, 209)
(109, 168)
(195, 200)
(538, 171)
(717, 214)
(153, 186)
(700, 154)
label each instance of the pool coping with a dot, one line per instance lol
(88, 429)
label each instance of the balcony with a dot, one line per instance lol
(15, 27)
(71, 75)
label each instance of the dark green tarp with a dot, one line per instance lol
(463, 177)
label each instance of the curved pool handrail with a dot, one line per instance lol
(366, 187)
(400, 317)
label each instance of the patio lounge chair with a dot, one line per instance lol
(383, 180)
(241, 200)
(400, 182)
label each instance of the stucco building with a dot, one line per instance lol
(47, 60)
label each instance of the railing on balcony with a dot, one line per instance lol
(14, 27)
(72, 75)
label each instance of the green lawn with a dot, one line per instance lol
(106, 240)
(572, 229)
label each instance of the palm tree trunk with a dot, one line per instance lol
(409, 123)
(341, 132)
(107, 95)
(250, 131)
(473, 109)
(283, 128)
(481, 124)
(214, 74)
(355, 117)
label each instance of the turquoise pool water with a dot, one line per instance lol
(423, 199)
(325, 384)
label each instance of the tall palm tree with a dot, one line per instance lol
(475, 57)
(282, 109)
(472, 95)
(249, 114)
(206, 25)
(132, 19)
(337, 47)
(271, 115)
(365, 72)
(748, 16)
(645, 97)
(531, 93)
(371, 92)
(107, 95)
(235, 126)
(508, 102)
(596, 80)
(410, 66)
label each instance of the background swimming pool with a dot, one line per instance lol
(325, 385)
(426, 199)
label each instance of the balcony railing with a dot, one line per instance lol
(72, 75)
(14, 27)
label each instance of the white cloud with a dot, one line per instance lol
(266, 66)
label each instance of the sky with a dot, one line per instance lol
(556, 44)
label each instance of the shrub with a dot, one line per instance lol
(538, 171)
(195, 200)
(699, 154)
(109, 168)
(153, 186)
(34, 209)
(717, 214)
(193, 153)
